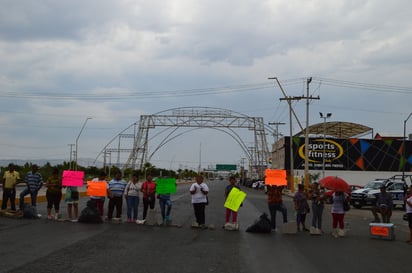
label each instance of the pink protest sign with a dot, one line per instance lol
(73, 178)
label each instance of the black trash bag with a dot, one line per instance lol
(90, 214)
(261, 225)
(30, 212)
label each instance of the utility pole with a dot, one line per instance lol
(291, 160)
(291, 111)
(276, 141)
(308, 81)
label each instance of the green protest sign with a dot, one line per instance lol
(165, 185)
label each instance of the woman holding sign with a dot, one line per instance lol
(199, 191)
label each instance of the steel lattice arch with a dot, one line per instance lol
(134, 140)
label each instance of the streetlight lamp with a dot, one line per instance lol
(404, 146)
(77, 141)
(328, 115)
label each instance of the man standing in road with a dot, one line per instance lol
(34, 182)
(275, 203)
(10, 179)
(384, 205)
(115, 193)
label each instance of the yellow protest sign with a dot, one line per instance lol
(275, 177)
(235, 199)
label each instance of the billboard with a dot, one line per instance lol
(353, 154)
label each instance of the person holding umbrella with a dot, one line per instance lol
(339, 199)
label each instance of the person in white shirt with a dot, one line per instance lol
(131, 193)
(199, 191)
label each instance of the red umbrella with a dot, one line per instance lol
(334, 183)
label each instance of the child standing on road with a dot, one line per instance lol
(301, 207)
(230, 213)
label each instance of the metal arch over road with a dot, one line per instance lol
(189, 117)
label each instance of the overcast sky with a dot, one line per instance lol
(63, 61)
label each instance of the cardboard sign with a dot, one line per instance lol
(73, 178)
(235, 199)
(380, 231)
(97, 188)
(165, 185)
(275, 177)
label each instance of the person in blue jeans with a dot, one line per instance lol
(131, 193)
(317, 196)
(34, 182)
(165, 204)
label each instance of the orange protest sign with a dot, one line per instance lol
(275, 177)
(380, 231)
(96, 188)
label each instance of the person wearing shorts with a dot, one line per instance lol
(53, 193)
(72, 201)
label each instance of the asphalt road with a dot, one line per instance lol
(51, 246)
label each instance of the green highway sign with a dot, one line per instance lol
(226, 167)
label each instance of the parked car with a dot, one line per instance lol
(367, 195)
(258, 185)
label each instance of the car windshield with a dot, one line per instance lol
(374, 185)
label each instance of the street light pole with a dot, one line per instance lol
(328, 115)
(404, 146)
(71, 156)
(77, 141)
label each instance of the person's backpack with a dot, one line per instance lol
(261, 225)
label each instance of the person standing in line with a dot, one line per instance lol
(301, 207)
(99, 200)
(230, 213)
(115, 192)
(149, 195)
(338, 213)
(408, 208)
(10, 179)
(72, 201)
(199, 191)
(383, 205)
(275, 203)
(131, 193)
(34, 182)
(165, 203)
(318, 204)
(53, 193)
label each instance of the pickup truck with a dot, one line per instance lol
(367, 196)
